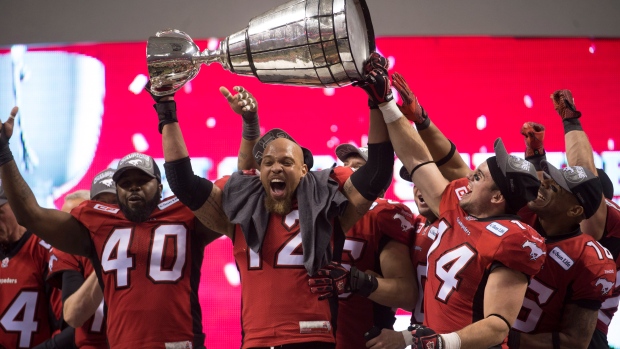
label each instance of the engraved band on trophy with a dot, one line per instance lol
(320, 43)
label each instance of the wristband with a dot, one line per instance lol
(417, 167)
(571, 125)
(5, 152)
(362, 283)
(408, 337)
(390, 111)
(167, 113)
(451, 340)
(251, 126)
(536, 160)
(424, 124)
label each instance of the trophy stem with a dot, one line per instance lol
(218, 55)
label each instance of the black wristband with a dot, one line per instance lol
(251, 126)
(5, 154)
(571, 125)
(362, 283)
(372, 104)
(424, 124)
(167, 113)
(514, 339)
(418, 166)
(536, 160)
(503, 319)
(449, 156)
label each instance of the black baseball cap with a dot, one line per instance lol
(608, 186)
(137, 161)
(515, 177)
(259, 147)
(103, 183)
(580, 182)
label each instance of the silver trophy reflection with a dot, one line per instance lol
(319, 43)
(60, 98)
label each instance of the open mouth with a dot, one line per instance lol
(541, 197)
(277, 188)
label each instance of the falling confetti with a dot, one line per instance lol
(232, 274)
(139, 142)
(211, 122)
(329, 91)
(138, 83)
(481, 122)
(611, 145)
(527, 100)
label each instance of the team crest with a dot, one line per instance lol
(574, 174)
(606, 285)
(518, 164)
(404, 222)
(104, 208)
(460, 191)
(108, 182)
(5, 262)
(535, 251)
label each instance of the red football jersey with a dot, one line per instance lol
(611, 240)
(24, 304)
(461, 259)
(277, 306)
(384, 221)
(577, 270)
(92, 334)
(425, 236)
(150, 273)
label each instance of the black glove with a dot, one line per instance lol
(377, 86)
(331, 280)
(424, 337)
(166, 111)
(362, 283)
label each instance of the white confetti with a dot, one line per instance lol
(139, 142)
(592, 48)
(329, 91)
(611, 145)
(333, 128)
(483, 149)
(481, 122)
(527, 100)
(211, 122)
(232, 274)
(213, 43)
(138, 83)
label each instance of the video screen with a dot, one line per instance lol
(82, 108)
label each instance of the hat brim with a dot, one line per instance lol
(343, 151)
(119, 172)
(555, 174)
(501, 155)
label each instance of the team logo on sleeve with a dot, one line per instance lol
(460, 191)
(5, 262)
(606, 285)
(535, 251)
(404, 222)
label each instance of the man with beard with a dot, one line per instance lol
(82, 298)
(480, 262)
(285, 223)
(147, 253)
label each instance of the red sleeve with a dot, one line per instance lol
(340, 174)
(527, 216)
(90, 213)
(220, 183)
(394, 220)
(61, 261)
(597, 275)
(613, 218)
(452, 195)
(523, 250)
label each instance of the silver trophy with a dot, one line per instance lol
(320, 43)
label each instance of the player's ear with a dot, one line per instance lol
(497, 197)
(160, 189)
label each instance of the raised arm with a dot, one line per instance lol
(244, 104)
(197, 193)
(57, 228)
(442, 150)
(579, 153)
(397, 288)
(373, 178)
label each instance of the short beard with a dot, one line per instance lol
(281, 207)
(141, 214)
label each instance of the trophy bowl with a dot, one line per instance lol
(320, 43)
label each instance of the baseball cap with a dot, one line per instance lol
(259, 147)
(608, 186)
(137, 161)
(103, 183)
(516, 178)
(343, 151)
(580, 182)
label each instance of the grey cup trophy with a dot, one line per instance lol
(320, 43)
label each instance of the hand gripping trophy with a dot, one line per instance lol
(321, 43)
